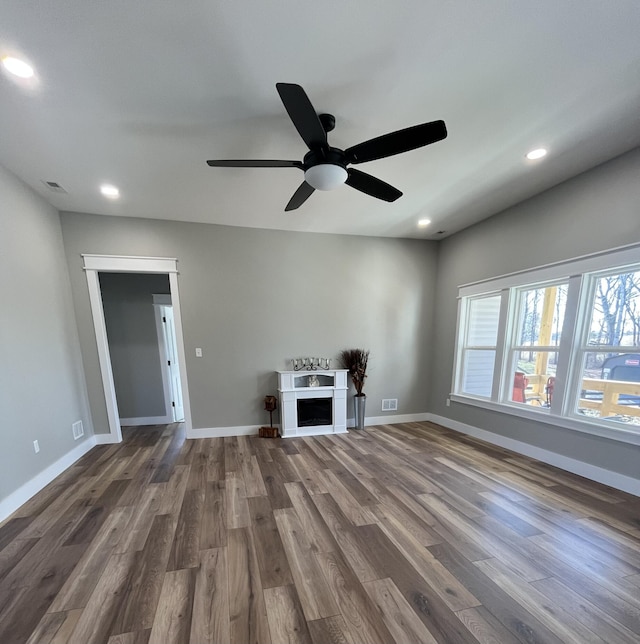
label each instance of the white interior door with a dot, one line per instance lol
(170, 344)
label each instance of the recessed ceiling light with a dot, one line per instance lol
(423, 222)
(536, 154)
(17, 67)
(110, 191)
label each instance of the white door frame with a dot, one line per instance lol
(160, 300)
(93, 265)
(177, 405)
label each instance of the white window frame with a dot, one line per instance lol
(582, 346)
(580, 274)
(512, 346)
(464, 347)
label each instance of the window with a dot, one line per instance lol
(610, 353)
(479, 350)
(562, 341)
(533, 354)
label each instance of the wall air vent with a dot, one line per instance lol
(389, 404)
(78, 430)
(54, 186)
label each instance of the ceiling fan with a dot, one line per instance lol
(325, 167)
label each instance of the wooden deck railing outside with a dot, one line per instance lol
(608, 405)
(611, 390)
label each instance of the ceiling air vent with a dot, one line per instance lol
(55, 187)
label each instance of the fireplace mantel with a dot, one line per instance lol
(294, 386)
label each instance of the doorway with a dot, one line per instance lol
(167, 344)
(93, 265)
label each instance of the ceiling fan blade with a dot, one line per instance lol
(300, 196)
(303, 114)
(397, 142)
(245, 163)
(372, 186)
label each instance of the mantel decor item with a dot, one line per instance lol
(310, 364)
(270, 403)
(355, 361)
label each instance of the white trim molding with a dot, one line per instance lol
(104, 356)
(11, 503)
(160, 301)
(392, 419)
(249, 430)
(589, 471)
(541, 415)
(132, 264)
(105, 439)
(93, 264)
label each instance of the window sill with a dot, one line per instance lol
(542, 415)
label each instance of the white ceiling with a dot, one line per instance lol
(140, 93)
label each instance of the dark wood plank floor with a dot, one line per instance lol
(405, 533)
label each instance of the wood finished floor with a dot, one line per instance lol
(405, 533)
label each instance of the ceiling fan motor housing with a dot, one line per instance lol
(328, 122)
(334, 156)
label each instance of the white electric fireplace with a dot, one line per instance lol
(312, 402)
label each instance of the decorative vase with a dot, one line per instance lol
(359, 404)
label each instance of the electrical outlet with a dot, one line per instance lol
(36, 446)
(448, 402)
(198, 352)
(389, 404)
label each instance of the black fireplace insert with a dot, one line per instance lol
(315, 411)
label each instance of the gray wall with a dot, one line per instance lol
(597, 210)
(127, 299)
(42, 389)
(252, 299)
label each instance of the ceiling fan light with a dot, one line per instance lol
(325, 176)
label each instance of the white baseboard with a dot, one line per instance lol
(592, 472)
(219, 432)
(390, 419)
(145, 420)
(105, 439)
(11, 503)
(248, 430)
